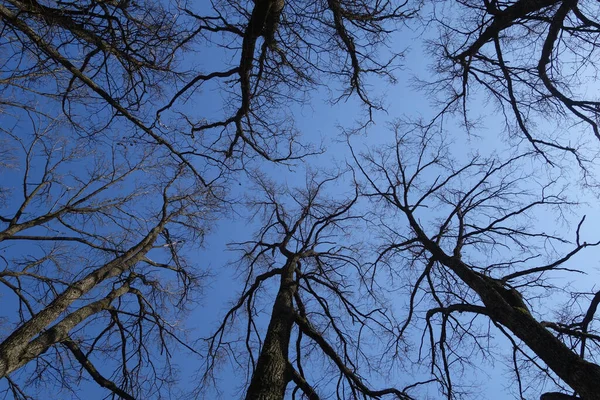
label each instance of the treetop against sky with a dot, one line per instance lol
(275, 199)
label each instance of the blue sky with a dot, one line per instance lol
(319, 121)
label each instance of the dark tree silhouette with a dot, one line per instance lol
(129, 62)
(535, 58)
(281, 50)
(93, 271)
(323, 307)
(468, 233)
(116, 164)
(123, 123)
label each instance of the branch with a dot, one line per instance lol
(89, 367)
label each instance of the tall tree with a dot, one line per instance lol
(123, 122)
(536, 59)
(93, 261)
(130, 168)
(475, 253)
(281, 50)
(134, 61)
(324, 307)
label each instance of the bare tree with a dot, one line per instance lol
(281, 50)
(535, 58)
(121, 162)
(93, 269)
(467, 241)
(118, 171)
(122, 59)
(322, 305)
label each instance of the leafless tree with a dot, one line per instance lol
(105, 161)
(323, 309)
(93, 241)
(120, 150)
(282, 49)
(467, 238)
(121, 60)
(535, 58)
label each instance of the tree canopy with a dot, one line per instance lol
(249, 199)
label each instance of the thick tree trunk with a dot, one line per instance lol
(15, 358)
(271, 376)
(16, 349)
(582, 376)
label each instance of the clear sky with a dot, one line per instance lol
(320, 121)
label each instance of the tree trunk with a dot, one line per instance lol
(582, 376)
(271, 376)
(12, 349)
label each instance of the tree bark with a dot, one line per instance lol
(271, 376)
(582, 376)
(14, 348)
